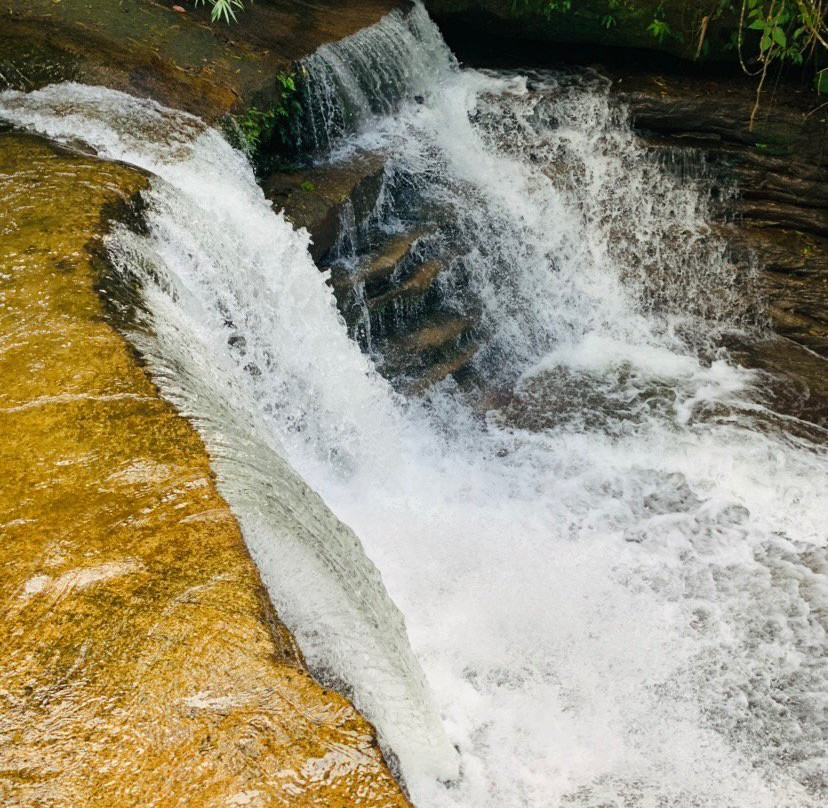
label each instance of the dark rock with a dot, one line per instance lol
(315, 198)
(780, 165)
(778, 218)
(796, 383)
(438, 342)
(417, 285)
(380, 270)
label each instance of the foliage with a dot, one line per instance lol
(253, 127)
(764, 32)
(659, 28)
(617, 11)
(788, 31)
(222, 8)
(545, 7)
(261, 134)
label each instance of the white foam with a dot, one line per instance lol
(619, 606)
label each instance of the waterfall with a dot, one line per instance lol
(612, 570)
(242, 334)
(368, 74)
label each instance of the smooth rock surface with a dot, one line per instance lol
(142, 664)
(180, 59)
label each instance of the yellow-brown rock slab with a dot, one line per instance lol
(140, 664)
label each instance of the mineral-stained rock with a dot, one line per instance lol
(141, 662)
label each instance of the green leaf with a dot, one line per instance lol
(779, 37)
(222, 8)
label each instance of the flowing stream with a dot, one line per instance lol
(610, 558)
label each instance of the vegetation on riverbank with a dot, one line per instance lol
(763, 37)
(751, 30)
(761, 31)
(222, 9)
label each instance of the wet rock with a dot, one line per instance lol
(780, 165)
(435, 348)
(142, 662)
(793, 280)
(379, 270)
(417, 285)
(794, 382)
(386, 284)
(181, 60)
(316, 198)
(778, 218)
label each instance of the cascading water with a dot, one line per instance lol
(243, 336)
(369, 73)
(615, 581)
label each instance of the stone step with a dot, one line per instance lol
(437, 331)
(442, 370)
(439, 338)
(417, 285)
(376, 271)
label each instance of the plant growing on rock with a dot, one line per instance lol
(788, 31)
(265, 134)
(762, 32)
(222, 8)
